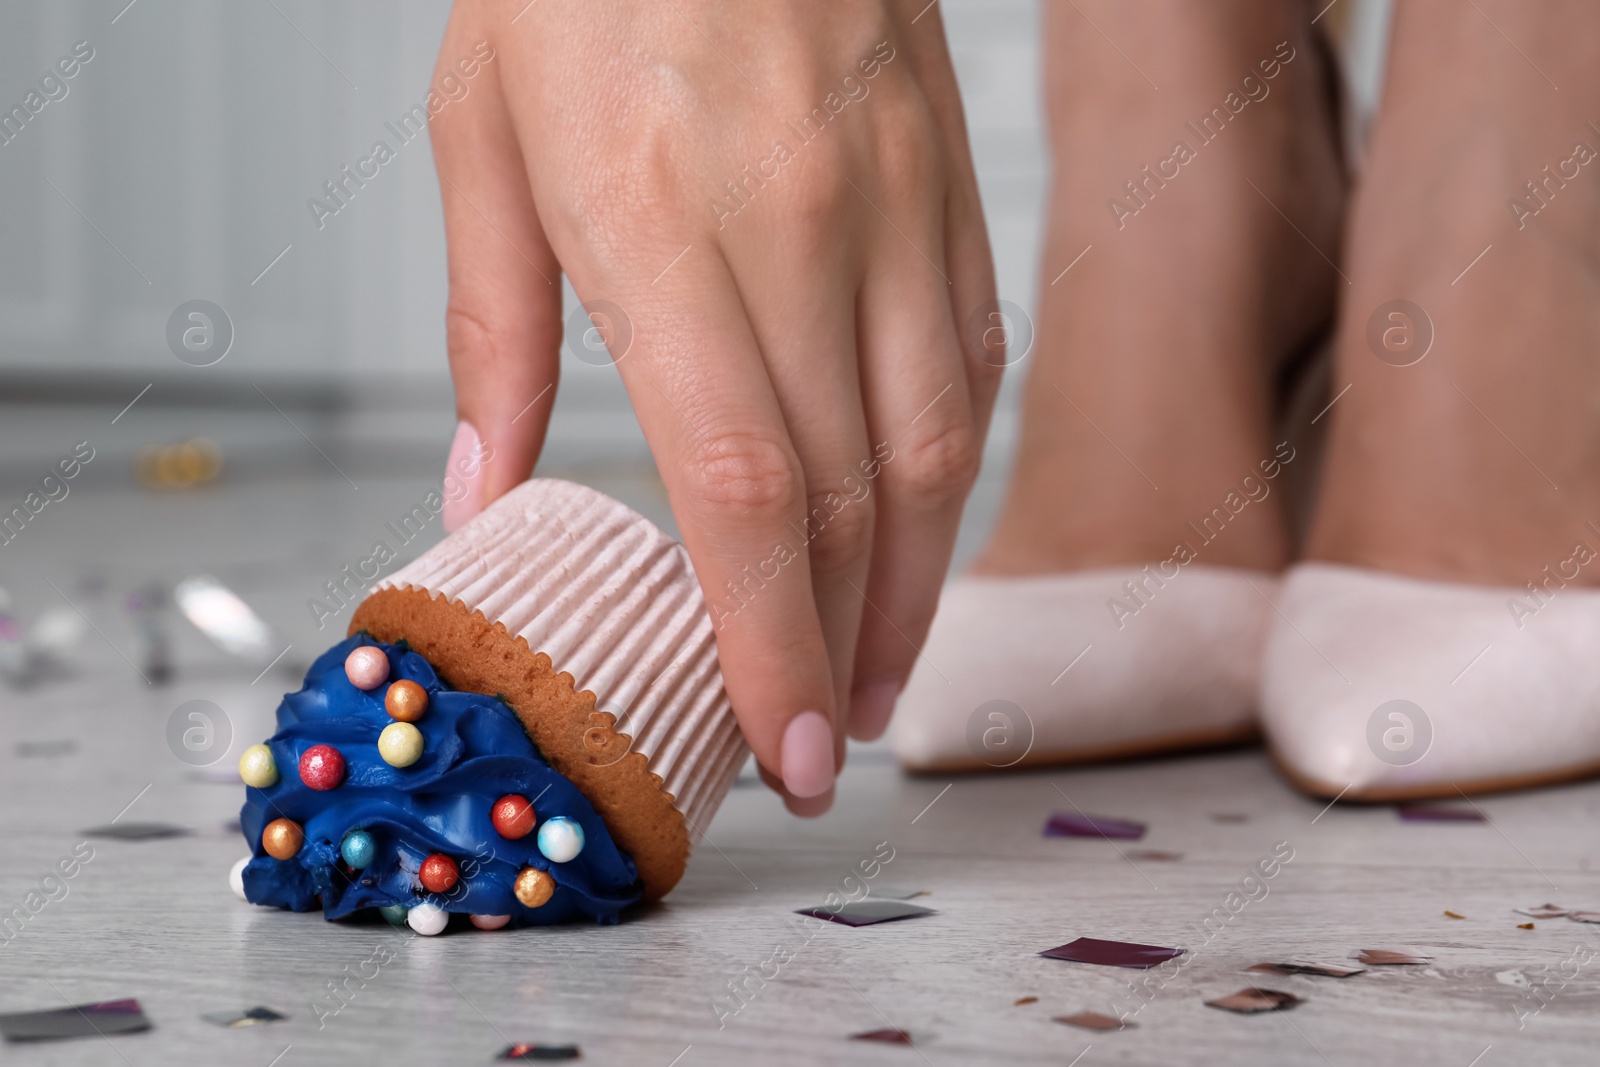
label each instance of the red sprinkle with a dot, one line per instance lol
(322, 767)
(439, 873)
(512, 816)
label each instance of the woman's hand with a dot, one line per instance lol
(770, 212)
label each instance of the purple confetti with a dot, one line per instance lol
(1438, 813)
(1112, 953)
(1062, 824)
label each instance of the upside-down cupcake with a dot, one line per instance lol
(526, 725)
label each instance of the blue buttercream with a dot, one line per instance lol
(475, 751)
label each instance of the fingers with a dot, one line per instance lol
(919, 386)
(699, 385)
(504, 316)
(801, 306)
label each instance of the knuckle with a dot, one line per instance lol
(470, 335)
(904, 154)
(819, 198)
(749, 474)
(838, 528)
(940, 465)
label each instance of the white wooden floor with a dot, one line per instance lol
(155, 920)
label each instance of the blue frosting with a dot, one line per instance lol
(475, 751)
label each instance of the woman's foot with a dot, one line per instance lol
(1120, 606)
(1472, 458)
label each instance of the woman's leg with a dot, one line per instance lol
(1446, 639)
(1481, 462)
(1149, 395)
(1196, 178)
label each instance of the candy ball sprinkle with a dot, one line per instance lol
(367, 667)
(257, 767)
(406, 701)
(282, 838)
(428, 919)
(236, 878)
(357, 849)
(439, 873)
(533, 887)
(400, 744)
(490, 922)
(512, 816)
(322, 767)
(560, 839)
(394, 914)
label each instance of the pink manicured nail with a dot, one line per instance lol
(870, 708)
(808, 755)
(463, 496)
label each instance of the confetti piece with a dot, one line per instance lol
(1438, 813)
(1453, 915)
(1064, 824)
(546, 1053)
(1111, 953)
(81, 1020)
(136, 831)
(1524, 926)
(1323, 970)
(1251, 1001)
(867, 912)
(1383, 957)
(1025, 1000)
(1093, 1020)
(1543, 911)
(1154, 855)
(249, 1017)
(887, 1036)
(1584, 916)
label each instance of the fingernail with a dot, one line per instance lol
(463, 452)
(870, 708)
(808, 755)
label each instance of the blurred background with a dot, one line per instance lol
(312, 408)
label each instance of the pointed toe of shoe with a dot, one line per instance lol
(1385, 687)
(1049, 669)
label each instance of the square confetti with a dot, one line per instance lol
(1093, 1020)
(1112, 953)
(1250, 1001)
(867, 912)
(1064, 824)
(81, 1020)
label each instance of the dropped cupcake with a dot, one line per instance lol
(526, 726)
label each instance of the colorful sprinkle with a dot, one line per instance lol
(490, 922)
(428, 919)
(322, 767)
(257, 767)
(406, 701)
(357, 849)
(439, 873)
(533, 887)
(395, 914)
(512, 816)
(367, 667)
(560, 839)
(282, 838)
(236, 878)
(400, 744)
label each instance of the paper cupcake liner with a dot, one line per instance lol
(613, 602)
